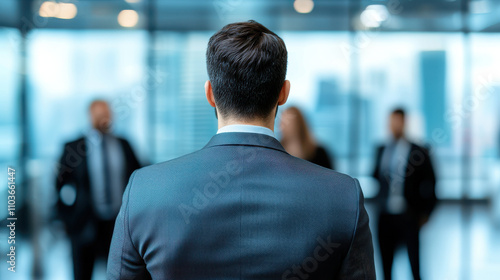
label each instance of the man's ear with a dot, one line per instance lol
(285, 91)
(209, 94)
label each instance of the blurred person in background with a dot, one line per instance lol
(407, 194)
(97, 167)
(298, 140)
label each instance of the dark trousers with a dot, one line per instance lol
(85, 252)
(395, 230)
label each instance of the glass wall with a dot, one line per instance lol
(184, 122)
(69, 69)
(482, 107)
(10, 133)
(421, 72)
(346, 83)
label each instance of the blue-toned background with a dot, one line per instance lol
(348, 68)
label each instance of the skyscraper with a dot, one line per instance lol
(433, 85)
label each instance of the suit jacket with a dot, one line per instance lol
(419, 182)
(241, 208)
(73, 169)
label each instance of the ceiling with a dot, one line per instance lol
(336, 15)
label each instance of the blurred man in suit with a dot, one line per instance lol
(242, 207)
(407, 194)
(97, 167)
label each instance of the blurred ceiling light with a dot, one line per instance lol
(128, 18)
(48, 9)
(67, 11)
(58, 10)
(381, 11)
(132, 1)
(374, 15)
(303, 6)
(479, 7)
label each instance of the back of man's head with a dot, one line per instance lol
(246, 65)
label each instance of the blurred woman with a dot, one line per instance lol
(298, 140)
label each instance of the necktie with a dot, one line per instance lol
(389, 159)
(105, 172)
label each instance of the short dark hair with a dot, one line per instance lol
(246, 64)
(399, 111)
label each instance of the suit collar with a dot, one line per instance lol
(245, 139)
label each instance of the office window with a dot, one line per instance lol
(10, 140)
(482, 108)
(184, 121)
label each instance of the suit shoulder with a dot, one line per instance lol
(346, 181)
(123, 140)
(75, 143)
(328, 176)
(168, 165)
(425, 148)
(342, 191)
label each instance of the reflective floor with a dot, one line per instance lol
(443, 250)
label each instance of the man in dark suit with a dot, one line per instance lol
(242, 207)
(96, 167)
(406, 197)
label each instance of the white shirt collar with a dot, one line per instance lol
(247, 129)
(94, 134)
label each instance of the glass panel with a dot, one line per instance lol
(185, 122)
(9, 13)
(482, 106)
(10, 141)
